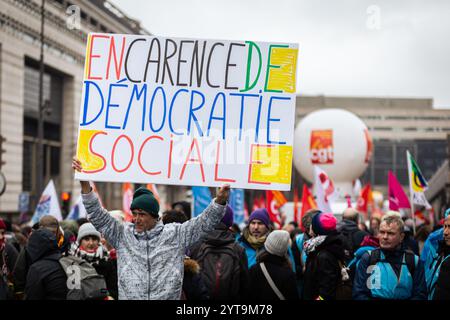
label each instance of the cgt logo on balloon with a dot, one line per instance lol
(321, 147)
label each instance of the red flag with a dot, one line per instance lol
(365, 198)
(397, 197)
(307, 202)
(127, 198)
(258, 203)
(296, 205)
(272, 207)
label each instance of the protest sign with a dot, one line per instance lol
(187, 111)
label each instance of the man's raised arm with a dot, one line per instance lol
(192, 230)
(109, 227)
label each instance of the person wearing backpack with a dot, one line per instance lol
(46, 279)
(150, 254)
(390, 272)
(368, 244)
(325, 271)
(439, 283)
(348, 228)
(194, 288)
(223, 262)
(89, 248)
(272, 278)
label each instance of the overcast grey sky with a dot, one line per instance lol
(389, 48)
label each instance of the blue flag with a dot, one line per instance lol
(202, 198)
(237, 204)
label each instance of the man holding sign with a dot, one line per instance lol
(149, 254)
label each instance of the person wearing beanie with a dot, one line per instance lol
(89, 248)
(325, 252)
(254, 234)
(150, 254)
(220, 246)
(275, 260)
(8, 258)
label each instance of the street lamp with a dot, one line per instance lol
(41, 107)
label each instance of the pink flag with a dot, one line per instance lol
(397, 197)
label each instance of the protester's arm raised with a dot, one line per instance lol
(111, 229)
(194, 229)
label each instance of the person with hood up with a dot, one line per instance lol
(89, 248)
(325, 253)
(46, 279)
(150, 254)
(223, 262)
(272, 277)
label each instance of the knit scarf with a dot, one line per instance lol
(311, 245)
(93, 257)
(256, 243)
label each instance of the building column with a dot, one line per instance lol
(11, 121)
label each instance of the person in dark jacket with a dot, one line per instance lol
(439, 287)
(325, 250)
(194, 288)
(23, 262)
(8, 257)
(348, 227)
(395, 273)
(233, 282)
(273, 263)
(89, 248)
(46, 279)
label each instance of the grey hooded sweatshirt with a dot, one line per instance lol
(150, 264)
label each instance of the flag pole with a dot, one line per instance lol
(408, 159)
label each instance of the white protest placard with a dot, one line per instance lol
(187, 111)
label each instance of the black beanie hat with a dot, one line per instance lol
(143, 199)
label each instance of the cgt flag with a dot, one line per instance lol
(275, 200)
(324, 190)
(365, 198)
(417, 183)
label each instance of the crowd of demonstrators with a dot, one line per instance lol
(208, 257)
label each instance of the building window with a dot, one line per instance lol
(53, 96)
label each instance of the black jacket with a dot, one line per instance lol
(442, 290)
(221, 236)
(194, 288)
(46, 279)
(349, 229)
(322, 273)
(8, 256)
(108, 269)
(281, 274)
